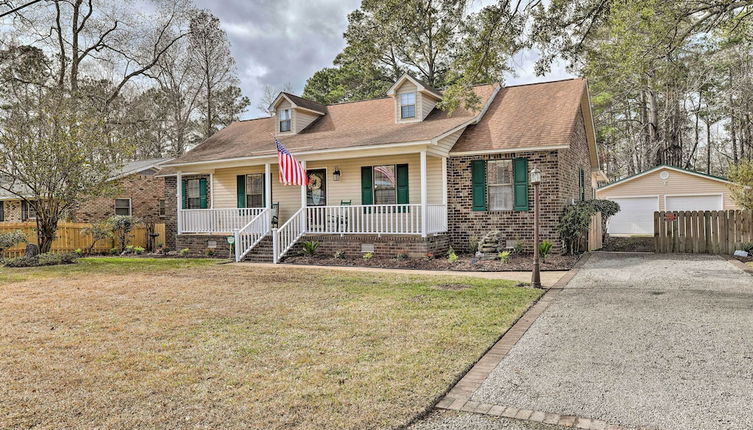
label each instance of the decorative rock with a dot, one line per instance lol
(741, 253)
(31, 250)
(488, 246)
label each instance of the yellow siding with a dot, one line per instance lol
(427, 104)
(302, 119)
(347, 188)
(407, 87)
(678, 183)
(446, 143)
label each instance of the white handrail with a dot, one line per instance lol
(216, 220)
(251, 234)
(286, 236)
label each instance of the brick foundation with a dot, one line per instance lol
(199, 243)
(384, 246)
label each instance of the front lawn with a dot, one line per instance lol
(138, 343)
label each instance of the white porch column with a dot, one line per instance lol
(179, 198)
(444, 194)
(268, 186)
(424, 197)
(304, 215)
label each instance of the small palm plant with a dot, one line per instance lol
(310, 247)
(545, 248)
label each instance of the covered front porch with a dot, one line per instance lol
(403, 194)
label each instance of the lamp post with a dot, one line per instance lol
(536, 181)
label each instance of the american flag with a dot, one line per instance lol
(290, 170)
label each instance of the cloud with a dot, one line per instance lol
(276, 42)
(281, 41)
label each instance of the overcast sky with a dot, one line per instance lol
(276, 42)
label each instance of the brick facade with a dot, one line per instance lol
(389, 246)
(559, 186)
(171, 208)
(198, 244)
(144, 191)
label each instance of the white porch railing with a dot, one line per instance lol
(436, 216)
(251, 234)
(285, 237)
(357, 219)
(216, 220)
(364, 219)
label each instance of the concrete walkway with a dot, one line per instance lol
(633, 341)
(547, 278)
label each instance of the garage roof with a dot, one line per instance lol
(665, 166)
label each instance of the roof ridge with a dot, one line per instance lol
(545, 82)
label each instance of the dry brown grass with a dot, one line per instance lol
(160, 345)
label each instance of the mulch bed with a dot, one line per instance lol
(464, 263)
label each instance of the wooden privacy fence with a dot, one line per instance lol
(70, 237)
(595, 233)
(702, 232)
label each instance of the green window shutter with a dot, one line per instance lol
(478, 184)
(520, 183)
(203, 193)
(367, 186)
(582, 185)
(184, 193)
(240, 181)
(402, 184)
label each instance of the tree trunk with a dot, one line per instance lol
(708, 147)
(46, 229)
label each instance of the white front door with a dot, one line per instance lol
(694, 203)
(636, 215)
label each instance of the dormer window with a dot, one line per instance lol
(284, 120)
(407, 105)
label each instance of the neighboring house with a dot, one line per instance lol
(659, 189)
(392, 175)
(139, 193)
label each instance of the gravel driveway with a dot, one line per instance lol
(664, 341)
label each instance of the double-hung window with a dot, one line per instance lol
(385, 185)
(162, 208)
(193, 194)
(407, 105)
(284, 120)
(255, 190)
(499, 185)
(122, 206)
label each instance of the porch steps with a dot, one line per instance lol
(262, 252)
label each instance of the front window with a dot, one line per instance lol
(162, 208)
(407, 105)
(122, 206)
(385, 190)
(255, 190)
(500, 185)
(284, 120)
(27, 211)
(193, 194)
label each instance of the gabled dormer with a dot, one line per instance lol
(292, 113)
(414, 99)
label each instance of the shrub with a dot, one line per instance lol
(138, 250)
(128, 249)
(545, 248)
(99, 231)
(340, 254)
(748, 247)
(121, 226)
(183, 252)
(368, 255)
(310, 247)
(114, 251)
(473, 244)
(504, 256)
(42, 260)
(517, 247)
(209, 252)
(11, 239)
(78, 252)
(451, 256)
(402, 256)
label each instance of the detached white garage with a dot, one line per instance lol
(662, 188)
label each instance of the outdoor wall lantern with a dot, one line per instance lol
(336, 174)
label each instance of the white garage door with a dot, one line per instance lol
(694, 203)
(636, 215)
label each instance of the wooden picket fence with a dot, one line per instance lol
(70, 237)
(702, 232)
(595, 233)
